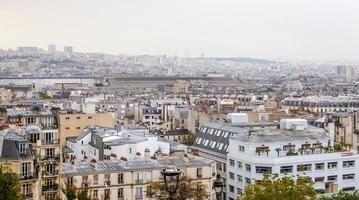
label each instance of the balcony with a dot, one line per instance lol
(28, 196)
(50, 188)
(51, 141)
(138, 181)
(138, 196)
(51, 157)
(29, 176)
(54, 173)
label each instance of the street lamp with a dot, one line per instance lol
(171, 178)
(218, 187)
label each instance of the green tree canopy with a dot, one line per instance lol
(10, 187)
(342, 196)
(284, 188)
(187, 189)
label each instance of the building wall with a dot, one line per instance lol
(146, 178)
(71, 125)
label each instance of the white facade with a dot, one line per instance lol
(247, 160)
(116, 145)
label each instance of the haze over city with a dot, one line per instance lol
(298, 29)
(179, 100)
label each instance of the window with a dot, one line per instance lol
(78, 128)
(319, 179)
(231, 175)
(107, 179)
(120, 178)
(95, 193)
(240, 165)
(241, 148)
(120, 193)
(248, 181)
(67, 128)
(138, 192)
(240, 178)
(286, 169)
(348, 164)
(199, 172)
(348, 189)
(231, 162)
(239, 191)
(50, 153)
(84, 180)
(27, 190)
(348, 176)
(219, 166)
(332, 178)
(95, 179)
(78, 117)
(25, 169)
(89, 117)
(231, 188)
(248, 167)
(67, 118)
(22, 148)
(319, 166)
(138, 177)
(261, 170)
(304, 168)
(332, 165)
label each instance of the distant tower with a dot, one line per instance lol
(51, 48)
(346, 72)
(68, 49)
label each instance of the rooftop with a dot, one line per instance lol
(138, 164)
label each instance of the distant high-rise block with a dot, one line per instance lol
(51, 48)
(345, 72)
(68, 49)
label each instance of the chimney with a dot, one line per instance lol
(119, 127)
(147, 153)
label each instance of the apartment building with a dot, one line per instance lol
(39, 126)
(16, 156)
(213, 140)
(45, 144)
(293, 149)
(73, 124)
(131, 180)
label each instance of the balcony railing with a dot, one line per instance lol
(28, 195)
(28, 176)
(139, 180)
(50, 188)
(51, 141)
(54, 173)
(51, 157)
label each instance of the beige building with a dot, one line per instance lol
(131, 180)
(72, 124)
(16, 156)
(5, 95)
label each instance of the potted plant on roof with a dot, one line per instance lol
(258, 151)
(301, 151)
(278, 150)
(267, 151)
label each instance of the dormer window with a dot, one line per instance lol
(22, 148)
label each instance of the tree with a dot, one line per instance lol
(10, 187)
(187, 189)
(274, 188)
(342, 196)
(70, 192)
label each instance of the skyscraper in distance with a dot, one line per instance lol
(51, 48)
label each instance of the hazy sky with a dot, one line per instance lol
(303, 29)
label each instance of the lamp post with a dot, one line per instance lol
(171, 178)
(218, 187)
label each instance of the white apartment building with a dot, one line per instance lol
(293, 149)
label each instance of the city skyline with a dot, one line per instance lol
(270, 30)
